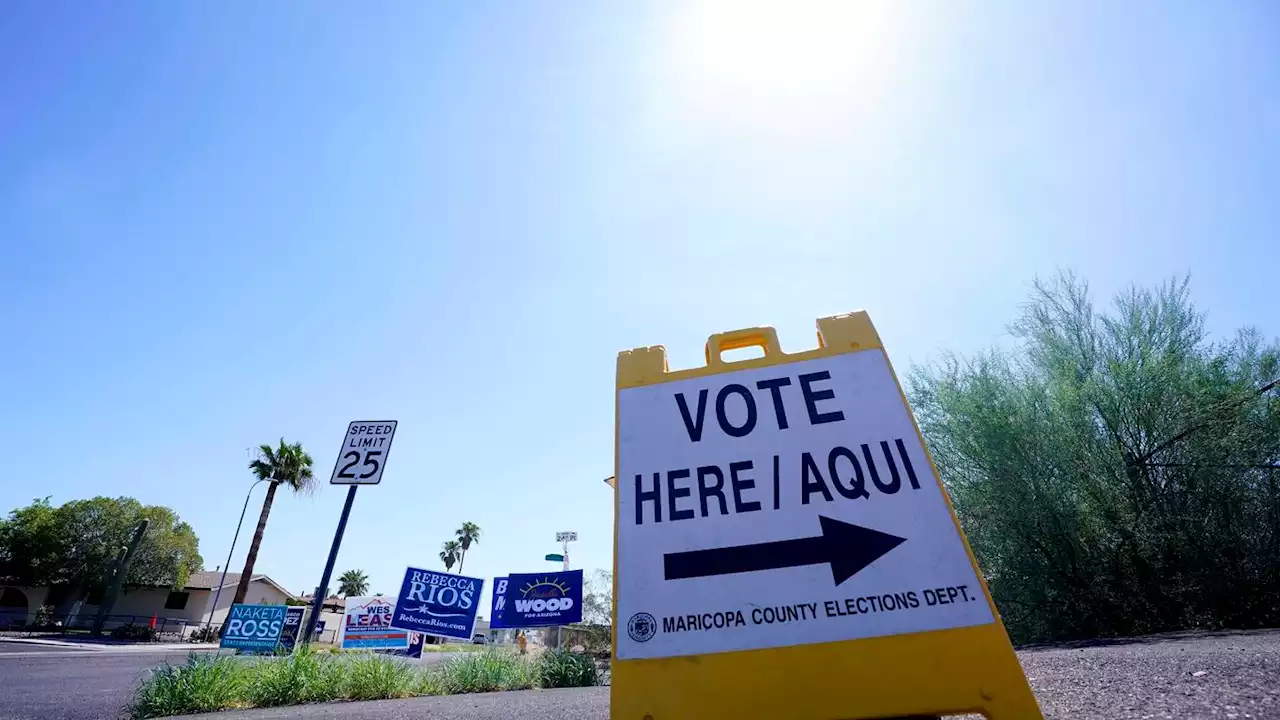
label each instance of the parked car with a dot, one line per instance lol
(479, 639)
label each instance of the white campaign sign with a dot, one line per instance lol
(779, 506)
(364, 452)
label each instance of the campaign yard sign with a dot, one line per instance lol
(366, 625)
(436, 603)
(497, 613)
(787, 503)
(255, 628)
(292, 626)
(539, 599)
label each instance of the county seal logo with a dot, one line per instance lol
(642, 627)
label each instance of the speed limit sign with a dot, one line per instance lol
(364, 453)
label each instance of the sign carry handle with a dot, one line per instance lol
(765, 338)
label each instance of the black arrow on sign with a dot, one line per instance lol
(848, 548)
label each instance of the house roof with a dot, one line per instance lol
(333, 601)
(208, 580)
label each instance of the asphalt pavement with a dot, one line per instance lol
(1226, 676)
(45, 681)
(80, 681)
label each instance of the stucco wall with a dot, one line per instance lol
(260, 592)
(19, 615)
(138, 605)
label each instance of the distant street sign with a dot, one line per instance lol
(555, 557)
(364, 452)
(254, 627)
(436, 603)
(569, 536)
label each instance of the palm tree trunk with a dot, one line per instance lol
(243, 587)
(462, 557)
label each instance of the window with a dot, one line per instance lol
(176, 600)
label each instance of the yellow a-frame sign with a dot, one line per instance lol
(784, 548)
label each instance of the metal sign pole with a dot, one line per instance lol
(323, 589)
(565, 546)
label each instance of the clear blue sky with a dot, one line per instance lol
(223, 223)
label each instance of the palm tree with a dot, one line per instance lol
(353, 583)
(468, 534)
(449, 554)
(286, 465)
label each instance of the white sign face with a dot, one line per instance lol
(566, 537)
(364, 452)
(780, 506)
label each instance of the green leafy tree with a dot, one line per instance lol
(72, 546)
(1116, 472)
(597, 598)
(353, 583)
(449, 554)
(468, 535)
(287, 465)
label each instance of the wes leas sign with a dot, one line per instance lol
(779, 506)
(436, 603)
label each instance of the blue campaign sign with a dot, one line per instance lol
(496, 618)
(437, 603)
(543, 599)
(292, 626)
(254, 627)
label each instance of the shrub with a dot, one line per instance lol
(43, 617)
(133, 632)
(562, 669)
(206, 634)
(206, 683)
(485, 671)
(305, 676)
(374, 677)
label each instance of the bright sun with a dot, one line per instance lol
(799, 60)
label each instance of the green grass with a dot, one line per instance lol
(204, 684)
(487, 671)
(562, 669)
(305, 676)
(371, 677)
(207, 683)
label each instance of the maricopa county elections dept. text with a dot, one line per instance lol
(850, 473)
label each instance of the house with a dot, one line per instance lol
(174, 610)
(332, 614)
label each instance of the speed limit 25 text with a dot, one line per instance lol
(365, 446)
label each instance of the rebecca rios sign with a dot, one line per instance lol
(436, 603)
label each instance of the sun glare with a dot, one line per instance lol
(799, 60)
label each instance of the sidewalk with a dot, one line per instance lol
(104, 644)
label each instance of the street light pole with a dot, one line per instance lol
(565, 538)
(230, 552)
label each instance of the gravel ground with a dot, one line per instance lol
(1228, 675)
